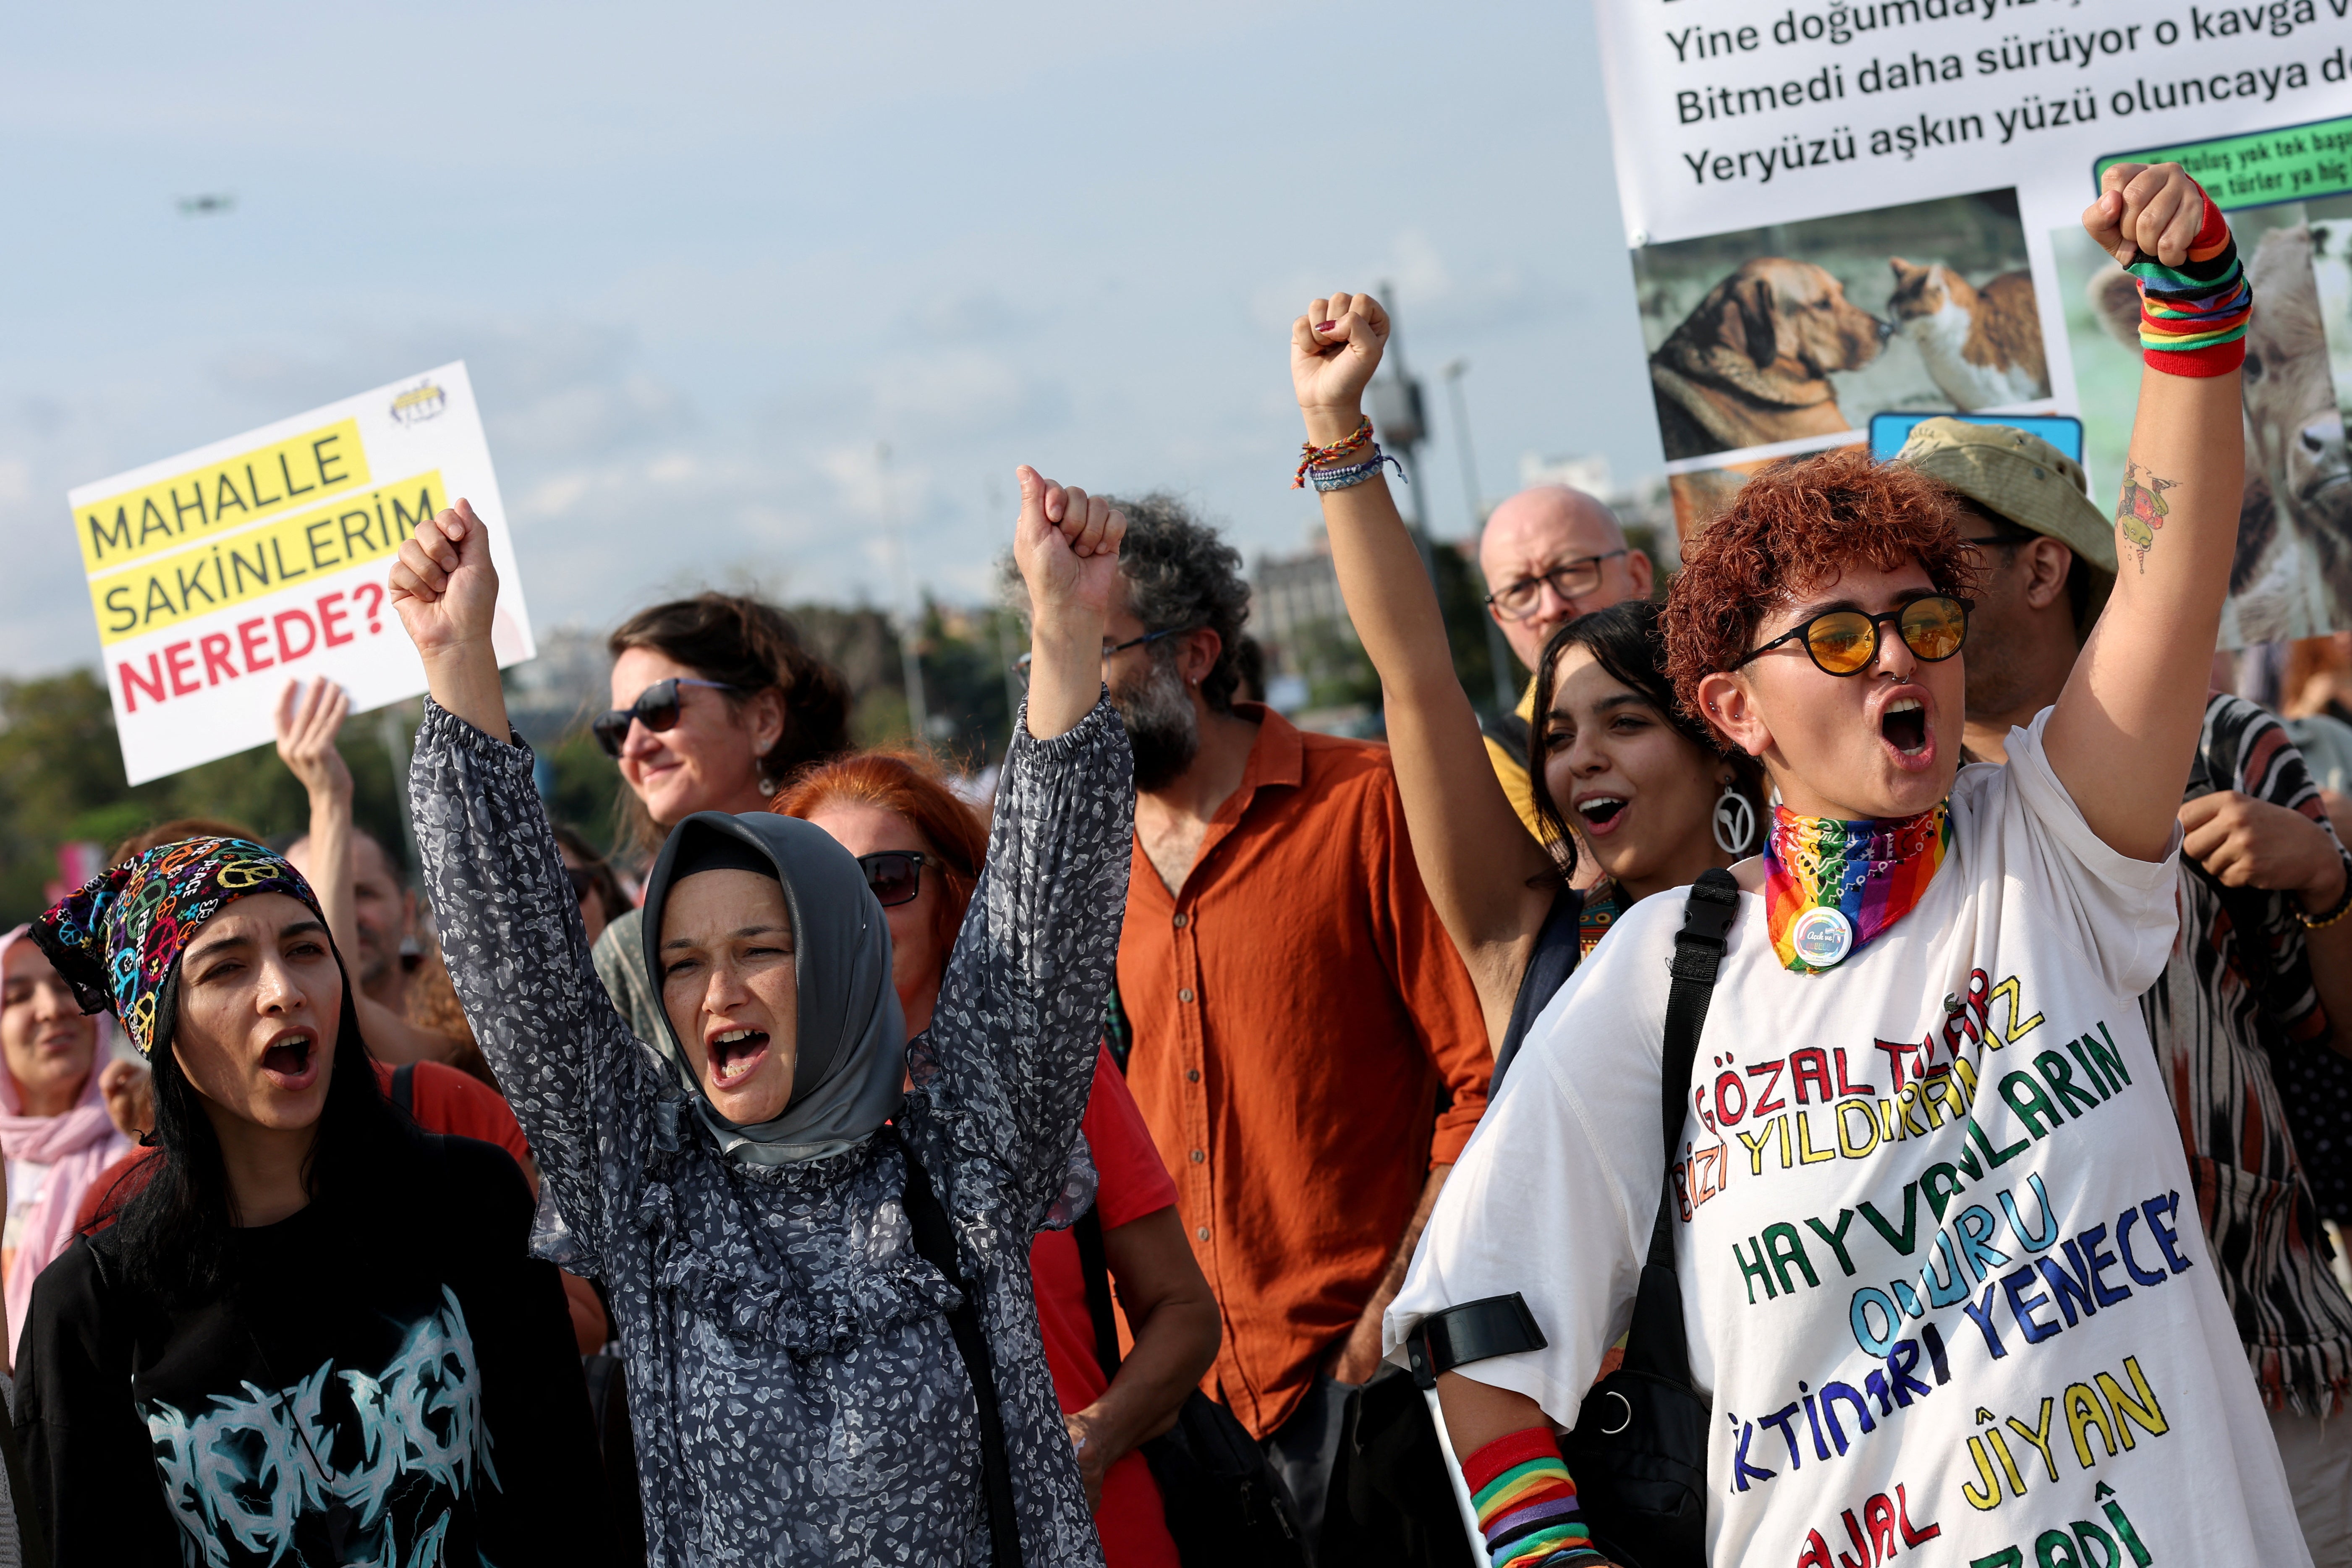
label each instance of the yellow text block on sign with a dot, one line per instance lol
(365, 526)
(222, 497)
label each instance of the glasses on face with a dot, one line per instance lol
(1844, 641)
(895, 875)
(656, 709)
(1111, 650)
(2005, 540)
(1571, 580)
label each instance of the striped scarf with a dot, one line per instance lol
(1868, 873)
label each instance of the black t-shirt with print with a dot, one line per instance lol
(393, 1382)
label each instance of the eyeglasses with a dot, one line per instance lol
(656, 709)
(895, 875)
(2006, 540)
(1844, 641)
(1111, 650)
(1571, 580)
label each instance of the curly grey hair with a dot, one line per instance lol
(1180, 573)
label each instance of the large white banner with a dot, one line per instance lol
(1838, 210)
(221, 573)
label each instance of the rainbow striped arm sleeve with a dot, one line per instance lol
(2192, 317)
(1527, 1503)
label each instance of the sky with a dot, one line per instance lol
(705, 262)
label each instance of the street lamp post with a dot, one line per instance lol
(910, 664)
(1399, 421)
(1498, 652)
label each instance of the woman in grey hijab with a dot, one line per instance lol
(820, 1277)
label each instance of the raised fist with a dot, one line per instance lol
(2145, 209)
(1067, 543)
(1333, 349)
(444, 584)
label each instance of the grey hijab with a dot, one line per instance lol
(852, 1044)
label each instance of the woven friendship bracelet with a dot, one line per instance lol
(2192, 317)
(1329, 479)
(1312, 456)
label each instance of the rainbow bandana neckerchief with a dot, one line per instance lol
(1830, 887)
(117, 939)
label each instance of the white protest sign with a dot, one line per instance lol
(218, 575)
(1843, 209)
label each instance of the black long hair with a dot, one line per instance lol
(171, 1235)
(1624, 639)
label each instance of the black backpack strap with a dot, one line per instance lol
(1510, 732)
(1095, 1264)
(403, 1089)
(1559, 946)
(935, 1239)
(1713, 906)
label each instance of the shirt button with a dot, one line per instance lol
(1198, 1155)
(1184, 995)
(1181, 920)
(1203, 1233)
(1193, 1075)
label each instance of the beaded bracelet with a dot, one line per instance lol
(2342, 906)
(1312, 456)
(1329, 479)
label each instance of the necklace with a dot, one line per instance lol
(1831, 886)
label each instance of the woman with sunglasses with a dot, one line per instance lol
(921, 850)
(1931, 1224)
(715, 705)
(816, 1238)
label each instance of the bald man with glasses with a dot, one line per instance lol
(1549, 555)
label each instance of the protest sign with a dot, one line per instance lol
(218, 575)
(1843, 209)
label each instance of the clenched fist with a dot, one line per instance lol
(1333, 349)
(2145, 209)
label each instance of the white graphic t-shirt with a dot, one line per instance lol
(1942, 1271)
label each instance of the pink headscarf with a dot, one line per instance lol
(77, 1147)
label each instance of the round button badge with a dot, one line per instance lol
(1823, 937)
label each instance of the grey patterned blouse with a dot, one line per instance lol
(796, 1394)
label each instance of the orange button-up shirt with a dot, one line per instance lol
(1306, 1045)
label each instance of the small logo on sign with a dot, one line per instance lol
(420, 403)
(1823, 937)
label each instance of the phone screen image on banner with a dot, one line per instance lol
(1839, 210)
(218, 575)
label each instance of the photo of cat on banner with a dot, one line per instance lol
(2293, 573)
(1769, 342)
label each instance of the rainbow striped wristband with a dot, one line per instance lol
(2193, 316)
(1526, 1502)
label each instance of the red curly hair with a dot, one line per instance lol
(908, 784)
(1794, 525)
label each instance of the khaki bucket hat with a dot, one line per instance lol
(2023, 478)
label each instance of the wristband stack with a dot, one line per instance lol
(1527, 1503)
(1314, 462)
(2192, 317)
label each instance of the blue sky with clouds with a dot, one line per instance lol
(701, 259)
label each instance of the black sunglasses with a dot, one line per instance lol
(656, 709)
(895, 875)
(1844, 641)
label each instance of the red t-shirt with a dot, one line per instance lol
(443, 1101)
(1133, 1521)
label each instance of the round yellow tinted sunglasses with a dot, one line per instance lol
(1844, 641)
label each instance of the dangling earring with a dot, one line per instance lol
(1735, 821)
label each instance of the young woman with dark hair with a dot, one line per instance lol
(815, 1231)
(314, 1333)
(922, 850)
(715, 705)
(1618, 771)
(1932, 1230)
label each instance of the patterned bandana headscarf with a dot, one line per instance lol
(1829, 886)
(118, 940)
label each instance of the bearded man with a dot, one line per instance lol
(1301, 1036)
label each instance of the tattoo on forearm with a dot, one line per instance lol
(2142, 510)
